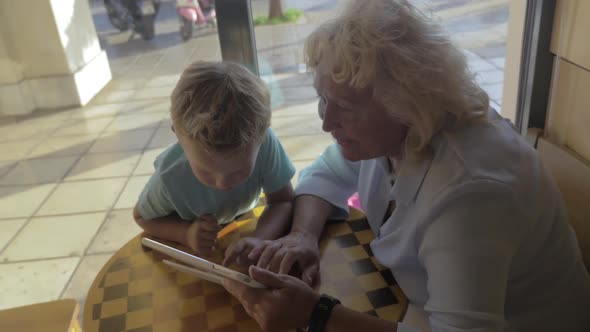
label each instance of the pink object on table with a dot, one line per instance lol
(355, 202)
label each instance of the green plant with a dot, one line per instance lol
(292, 15)
(289, 16)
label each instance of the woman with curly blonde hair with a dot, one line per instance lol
(464, 214)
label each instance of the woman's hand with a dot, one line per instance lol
(285, 304)
(241, 251)
(280, 256)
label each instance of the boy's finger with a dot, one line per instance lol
(210, 225)
(207, 235)
(207, 243)
(206, 250)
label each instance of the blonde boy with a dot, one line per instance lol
(226, 155)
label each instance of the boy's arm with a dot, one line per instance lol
(170, 228)
(275, 221)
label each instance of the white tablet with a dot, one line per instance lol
(214, 272)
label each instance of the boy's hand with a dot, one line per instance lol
(243, 252)
(202, 234)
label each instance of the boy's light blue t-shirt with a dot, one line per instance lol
(174, 188)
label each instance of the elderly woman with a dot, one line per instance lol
(463, 212)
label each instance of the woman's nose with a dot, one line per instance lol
(329, 119)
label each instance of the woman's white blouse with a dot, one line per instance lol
(479, 238)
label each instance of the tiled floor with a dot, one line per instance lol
(69, 179)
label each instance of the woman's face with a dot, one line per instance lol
(360, 124)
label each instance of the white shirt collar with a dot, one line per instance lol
(409, 179)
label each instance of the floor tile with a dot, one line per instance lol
(299, 165)
(131, 192)
(164, 137)
(48, 116)
(471, 56)
(63, 146)
(156, 92)
(27, 130)
(8, 229)
(169, 80)
(305, 93)
(307, 109)
(6, 166)
(54, 237)
(146, 162)
(305, 147)
(114, 96)
(83, 126)
(492, 50)
(98, 111)
(136, 121)
(22, 201)
(147, 106)
(127, 83)
(297, 125)
(118, 229)
(36, 171)
(83, 196)
(480, 65)
(490, 77)
(16, 149)
(104, 165)
(496, 106)
(494, 90)
(166, 123)
(499, 62)
(32, 282)
(82, 279)
(122, 141)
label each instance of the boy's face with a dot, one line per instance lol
(221, 171)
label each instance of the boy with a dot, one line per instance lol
(225, 156)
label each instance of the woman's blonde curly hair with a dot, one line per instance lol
(407, 60)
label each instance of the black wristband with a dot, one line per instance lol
(321, 313)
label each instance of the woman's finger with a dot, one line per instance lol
(247, 295)
(267, 254)
(257, 250)
(287, 262)
(310, 273)
(233, 252)
(267, 278)
(275, 262)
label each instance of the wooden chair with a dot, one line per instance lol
(54, 316)
(572, 175)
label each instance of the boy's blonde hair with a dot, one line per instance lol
(222, 106)
(414, 70)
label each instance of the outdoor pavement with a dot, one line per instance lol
(69, 178)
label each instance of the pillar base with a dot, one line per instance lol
(58, 91)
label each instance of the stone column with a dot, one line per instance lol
(50, 55)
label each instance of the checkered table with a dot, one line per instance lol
(136, 292)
